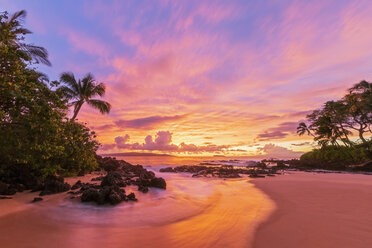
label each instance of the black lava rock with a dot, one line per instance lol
(113, 179)
(77, 185)
(6, 189)
(53, 185)
(107, 194)
(143, 189)
(158, 182)
(167, 169)
(37, 199)
(5, 197)
(132, 197)
(90, 195)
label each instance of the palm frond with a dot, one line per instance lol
(22, 31)
(68, 78)
(87, 86)
(82, 91)
(66, 92)
(18, 15)
(302, 129)
(89, 78)
(39, 54)
(102, 106)
(99, 89)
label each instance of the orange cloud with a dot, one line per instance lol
(163, 143)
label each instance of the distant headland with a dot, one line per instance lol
(147, 154)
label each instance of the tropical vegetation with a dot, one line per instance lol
(82, 91)
(342, 128)
(37, 137)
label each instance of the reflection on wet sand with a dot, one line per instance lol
(192, 212)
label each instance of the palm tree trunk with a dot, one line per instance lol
(348, 140)
(346, 143)
(361, 136)
(76, 111)
(345, 133)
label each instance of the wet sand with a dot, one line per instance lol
(192, 212)
(292, 210)
(317, 210)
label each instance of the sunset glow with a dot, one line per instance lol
(206, 77)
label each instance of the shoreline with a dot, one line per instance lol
(296, 209)
(193, 212)
(316, 210)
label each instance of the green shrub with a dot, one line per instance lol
(335, 157)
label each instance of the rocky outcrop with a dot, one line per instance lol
(6, 189)
(107, 189)
(224, 171)
(158, 182)
(113, 178)
(107, 194)
(53, 185)
(120, 174)
(77, 185)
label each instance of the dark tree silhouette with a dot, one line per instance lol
(12, 34)
(82, 91)
(336, 120)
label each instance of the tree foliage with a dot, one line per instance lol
(337, 121)
(342, 128)
(82, 91)
(36, 137)
(342, 155)
(12, 36)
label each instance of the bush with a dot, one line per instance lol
(335, 157)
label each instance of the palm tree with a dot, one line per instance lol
(337, 111)
(12, 33)
(82, 91)
(302, 129)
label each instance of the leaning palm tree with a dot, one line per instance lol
(302, 129)
(12, 33)
(82, 91)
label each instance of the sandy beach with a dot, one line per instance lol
(192, 212)
(317, 210)
(296, 209)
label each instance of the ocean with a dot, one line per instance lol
(191, 212)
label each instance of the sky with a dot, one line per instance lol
(207, 77)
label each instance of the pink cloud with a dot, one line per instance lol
(211, 12)
(121, 141)
(281, 131)
(275, 151)
(270, 135)
(105, 147)
(235, 90)
(85, 43)
(162, 142)
(147, 122)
